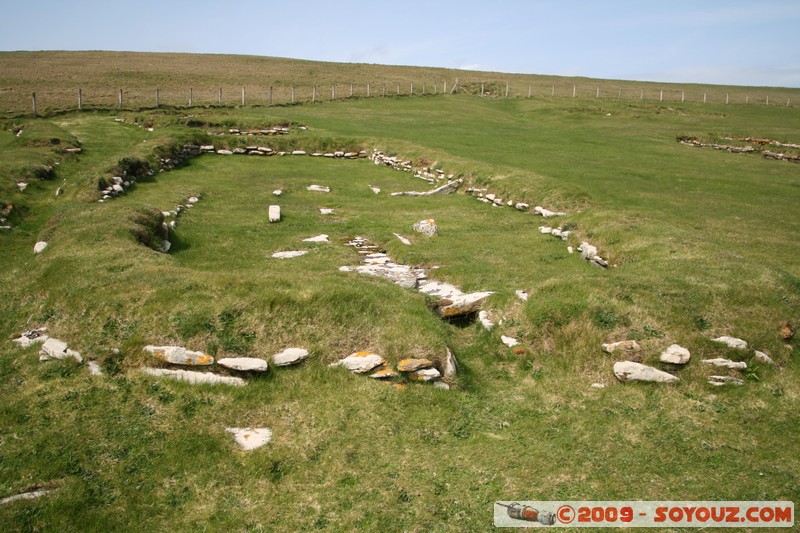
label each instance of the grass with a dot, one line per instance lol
(702, 240)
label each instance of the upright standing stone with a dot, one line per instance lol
(274, 213)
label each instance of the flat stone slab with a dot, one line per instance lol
(630, 371)
(318, 188)
(509, 341)
(453, 302)
(57, 349)
(178, 355)
(522, 295)
(39, 247)
(290, 356)
(676, 355)
(360, 362)
(410, 365)
(402, 239)
(384, 373)
(289, 254)
(32, 336)
(425, 374)
(621, 346)
(727, 363)
(250, 438)
(274, 213)
(244, 364)
(32, 495)
(194, 377)
(277, 192)
(732, 342)
(325, 211)
(318, 238)
(719, 381)
(374, 189)
(763, 358)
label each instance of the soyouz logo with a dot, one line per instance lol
(643, 514)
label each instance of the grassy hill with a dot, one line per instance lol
(56, 77)
(703, 242)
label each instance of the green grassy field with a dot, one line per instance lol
(704, 242)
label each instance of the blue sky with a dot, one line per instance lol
(732, 42)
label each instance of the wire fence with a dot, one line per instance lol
(18, 103)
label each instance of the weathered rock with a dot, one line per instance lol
(522, 295)
(732, 342)
(274, 213)
(244, 364)
(39, 247)
(447, 188)
(630, 371)
(441, 385)
(318, 238)
(384, 373)
(427, 227)
(453, 302)
(374, 189)
(325, 211)
(521, 206)
(509, 341)
(31, 495)
(727, 363)
(298, 152)
(360, 362)
(277, 192)
(598, 386)
(194, 377)
(719, 381)
(32, 336)
(193, 199)
(483, 318)
(425, 374)
(787, 330)
(676, 355)
(763, 358)
(250, 438)
(629, 346)
(588, 252)
(290, 356)
(318, 188)
(410, 365)
(178, 355)
(224, 152)
(289, 254)
(402, 239)
(57, 349)
(546, 213)
(450, 366)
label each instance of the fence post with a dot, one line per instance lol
(157, 97)
(444, 91)
(726, 98)
(767, 102)
(120, 99)
(553, 91)
(746, 99)
(573, 91)
(242, 96)
(292, 93)
(33, 98)
(683, 96)
(333, 92)
(529, 91)
(641, 96)
(411, 93)
(219, 96)
(314, 95)
(270, 95)
(351, 90)
(434, 89)
(597, 95)
(190, 97)
(368, 90)
(80, 100)
(398, 89)
(787, 102)
(704, 98)
(506, 89)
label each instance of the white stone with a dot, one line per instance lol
(325, 211)
(402, 239)
(441, 385)
(22, 185)
(277, 192)
(274, 213)
(193, 199)
(483, 318)
(298, 152)
(32, 336)
(289, 254)
(39, 247)
(318, 188)
(318, 238)
(290, 356)
(630, 371)
(32, 495)
(194, 377)
(450, 366)
(763, 358)
(732, 342)
(178, 355)
(676, 355)
(224, 152)
(374, 189)
(250, 438)
(360, 362)
(598, 386)
(570, 249)
(522, 295)
(719, 381)
(426, 227)
(454, 302)
(57, 349)
(94, 368)
(425, 374)
(521, 206)
(546, 213)
(491, 197)
(588, 252)
(509, 341)
(625, 346)
(727, 363)
(546, 230)
(243, 364)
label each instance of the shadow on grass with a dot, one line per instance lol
(178, 244)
